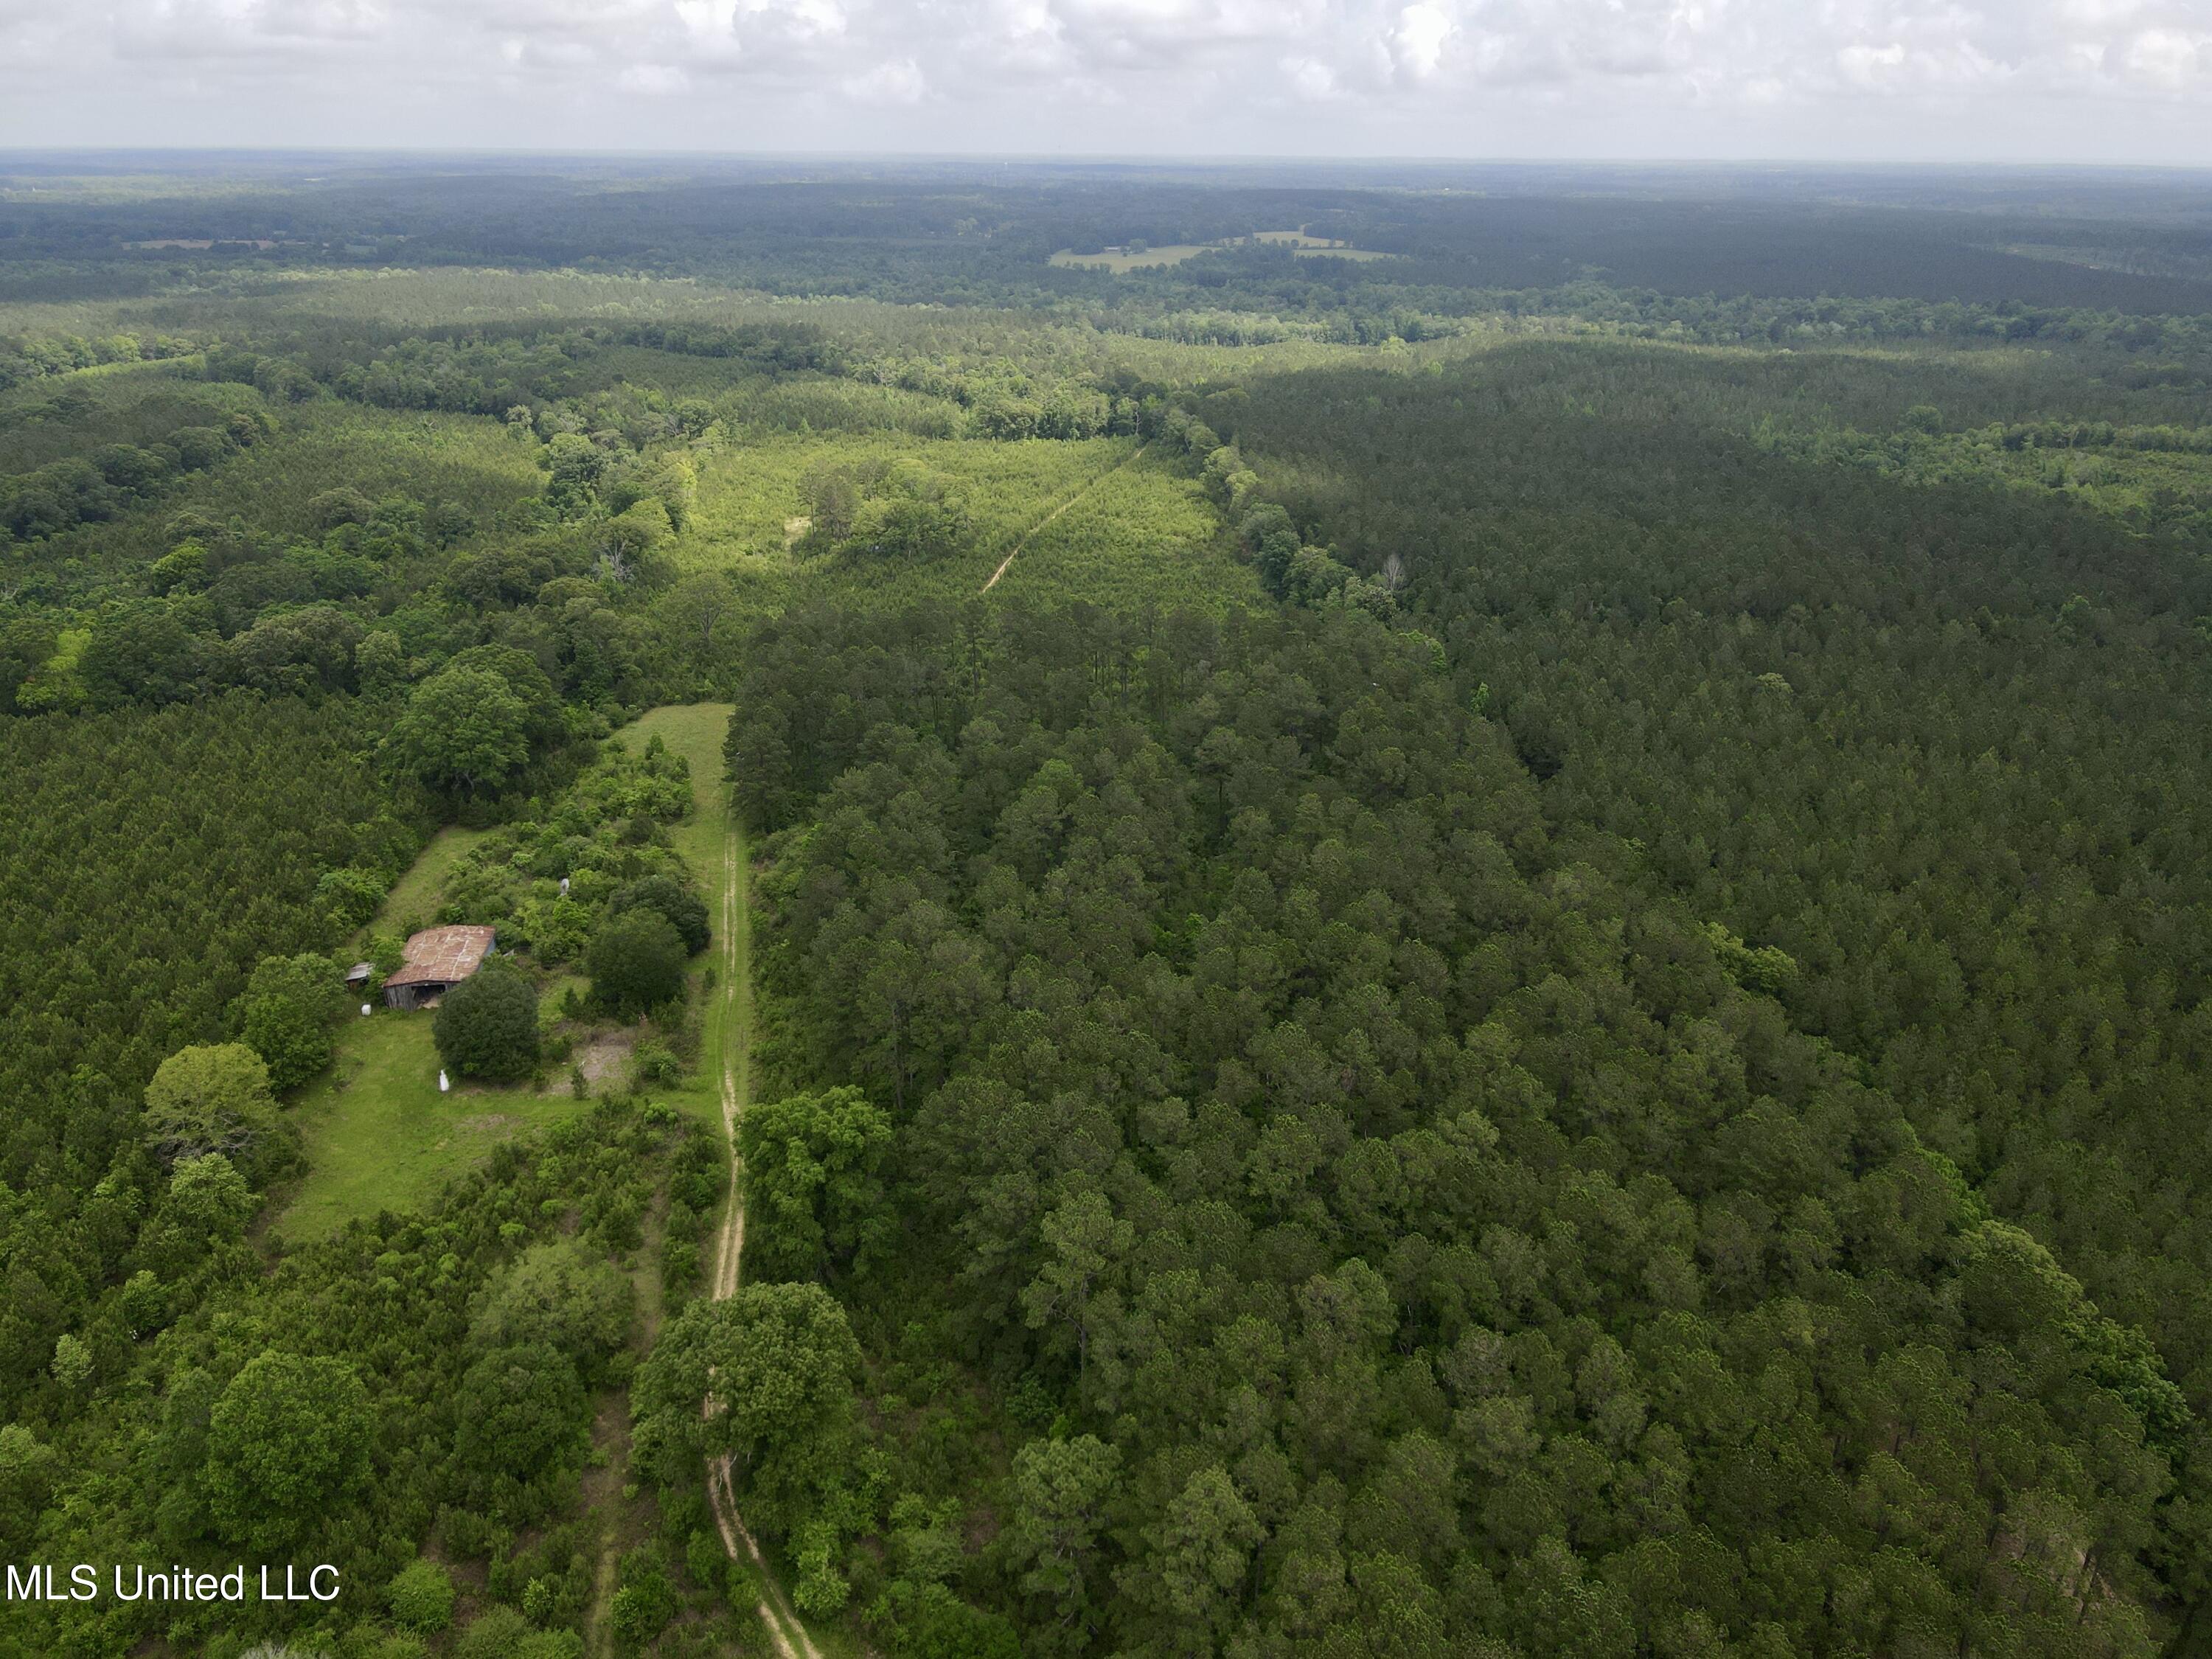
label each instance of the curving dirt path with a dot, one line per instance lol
(776, 1613)
(1037, 529)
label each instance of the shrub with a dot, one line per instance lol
(422, 1596)
(646, 1602)
(636, 963)
(524, 1426)
(560, 1294)
(350, 896)
(685, 910)
(496, 1634)
(488, 1024)
(656, 1065)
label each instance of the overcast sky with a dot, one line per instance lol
(1846, 80)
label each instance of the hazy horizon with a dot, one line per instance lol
(1855, 81)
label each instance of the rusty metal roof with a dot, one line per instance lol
(441, 955)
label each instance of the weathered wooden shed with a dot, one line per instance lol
(437, 959)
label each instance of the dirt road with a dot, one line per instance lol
(1038, 528)
(735, 989)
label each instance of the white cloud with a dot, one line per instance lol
(653, 80)
(896, 83)
(1453, 77)
(2169, 59)
(1312, 81)
(1417, 44)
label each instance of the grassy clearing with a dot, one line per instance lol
(1316, 246)
(414, 897)
(695, 731)
(1125, 532)
(1174, 253)
(379, 1135)
(1143, 534)
(749, 495)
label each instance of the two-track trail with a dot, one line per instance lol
(735, 1021)
(1039, 527)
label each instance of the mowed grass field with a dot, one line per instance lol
(1175, 253)
(377, 1133)
(413, 901)
(379, 1136)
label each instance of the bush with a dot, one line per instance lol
(422, 1596)
(494, 1635)
(288, 1443)
(524, 1427)
(350, 896)
(488, 1024)
(560, 1294)
(636, 963)
(685, 910)
(655, 1065)
(646, 1602)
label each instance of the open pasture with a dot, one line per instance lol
(1122, 262)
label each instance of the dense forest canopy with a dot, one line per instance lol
(1244, 911)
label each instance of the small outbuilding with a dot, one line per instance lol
(437, 959)
(359, 974)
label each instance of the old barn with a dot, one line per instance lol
(436, 960)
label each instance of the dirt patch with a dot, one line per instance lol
(793, 529)
(603, 1059)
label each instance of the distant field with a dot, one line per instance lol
(1173, 254)
(1143, 534)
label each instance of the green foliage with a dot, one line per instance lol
(644, 1600)
(813, 1173)
(288, 1441)
(606, 837)
(562, 1296)
(777, 1365)
(487, 1025)
(665, 894)
(1061, 1497)
(527, 1415)
(1308, 1156)
(464, 732)
(421, 1596)
(636, 963)
(290, 1005)
(211, 1098)
(1297, 1037)
(351, 896)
